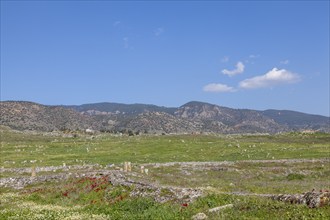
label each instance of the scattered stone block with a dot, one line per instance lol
(129, 167)
(312, 199)
(219, 208)
(199, 216)
(33, 172)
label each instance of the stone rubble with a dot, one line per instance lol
(199, 216)
(312, 199)
(24, 170)
(117, 178)
(159, 193)
(219, 208)
(219, 164)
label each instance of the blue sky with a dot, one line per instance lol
(239, 54)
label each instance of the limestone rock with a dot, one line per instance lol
(199, 216)
(219, 208)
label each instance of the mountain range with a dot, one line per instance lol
(192, 117)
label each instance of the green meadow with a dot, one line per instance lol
(19, 149)
(243, 165)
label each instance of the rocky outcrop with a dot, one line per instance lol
(33, 116)
(159, 122)
(227, 120)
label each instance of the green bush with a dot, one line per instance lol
(295, 176)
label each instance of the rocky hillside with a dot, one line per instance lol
(227, 120)
(118, 108)
(298, 120)
(193, 117)
(158, 122)
(33, 116)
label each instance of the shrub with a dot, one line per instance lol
(295, 176)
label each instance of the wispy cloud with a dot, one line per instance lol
(158, 31)
(285, 62)
(116, 23)
(126, 44)
(239, 69)
(218, 87)
(253, 56)
(270, 79)
(225, 59)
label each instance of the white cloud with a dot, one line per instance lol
(239, 69)
(116, 23)
(218, 87)
(159, 31)
(252, 56)
(251, 59)
(271, 78)
(285, 62)
(126, 45)
(225, 59)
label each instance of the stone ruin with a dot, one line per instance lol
(312, 199)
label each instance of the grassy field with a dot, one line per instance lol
(25, 150)
(242, 164)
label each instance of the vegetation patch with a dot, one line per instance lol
(295, 176)
(80, 178)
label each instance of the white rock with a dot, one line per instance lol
(199, 216)
(219, 208)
